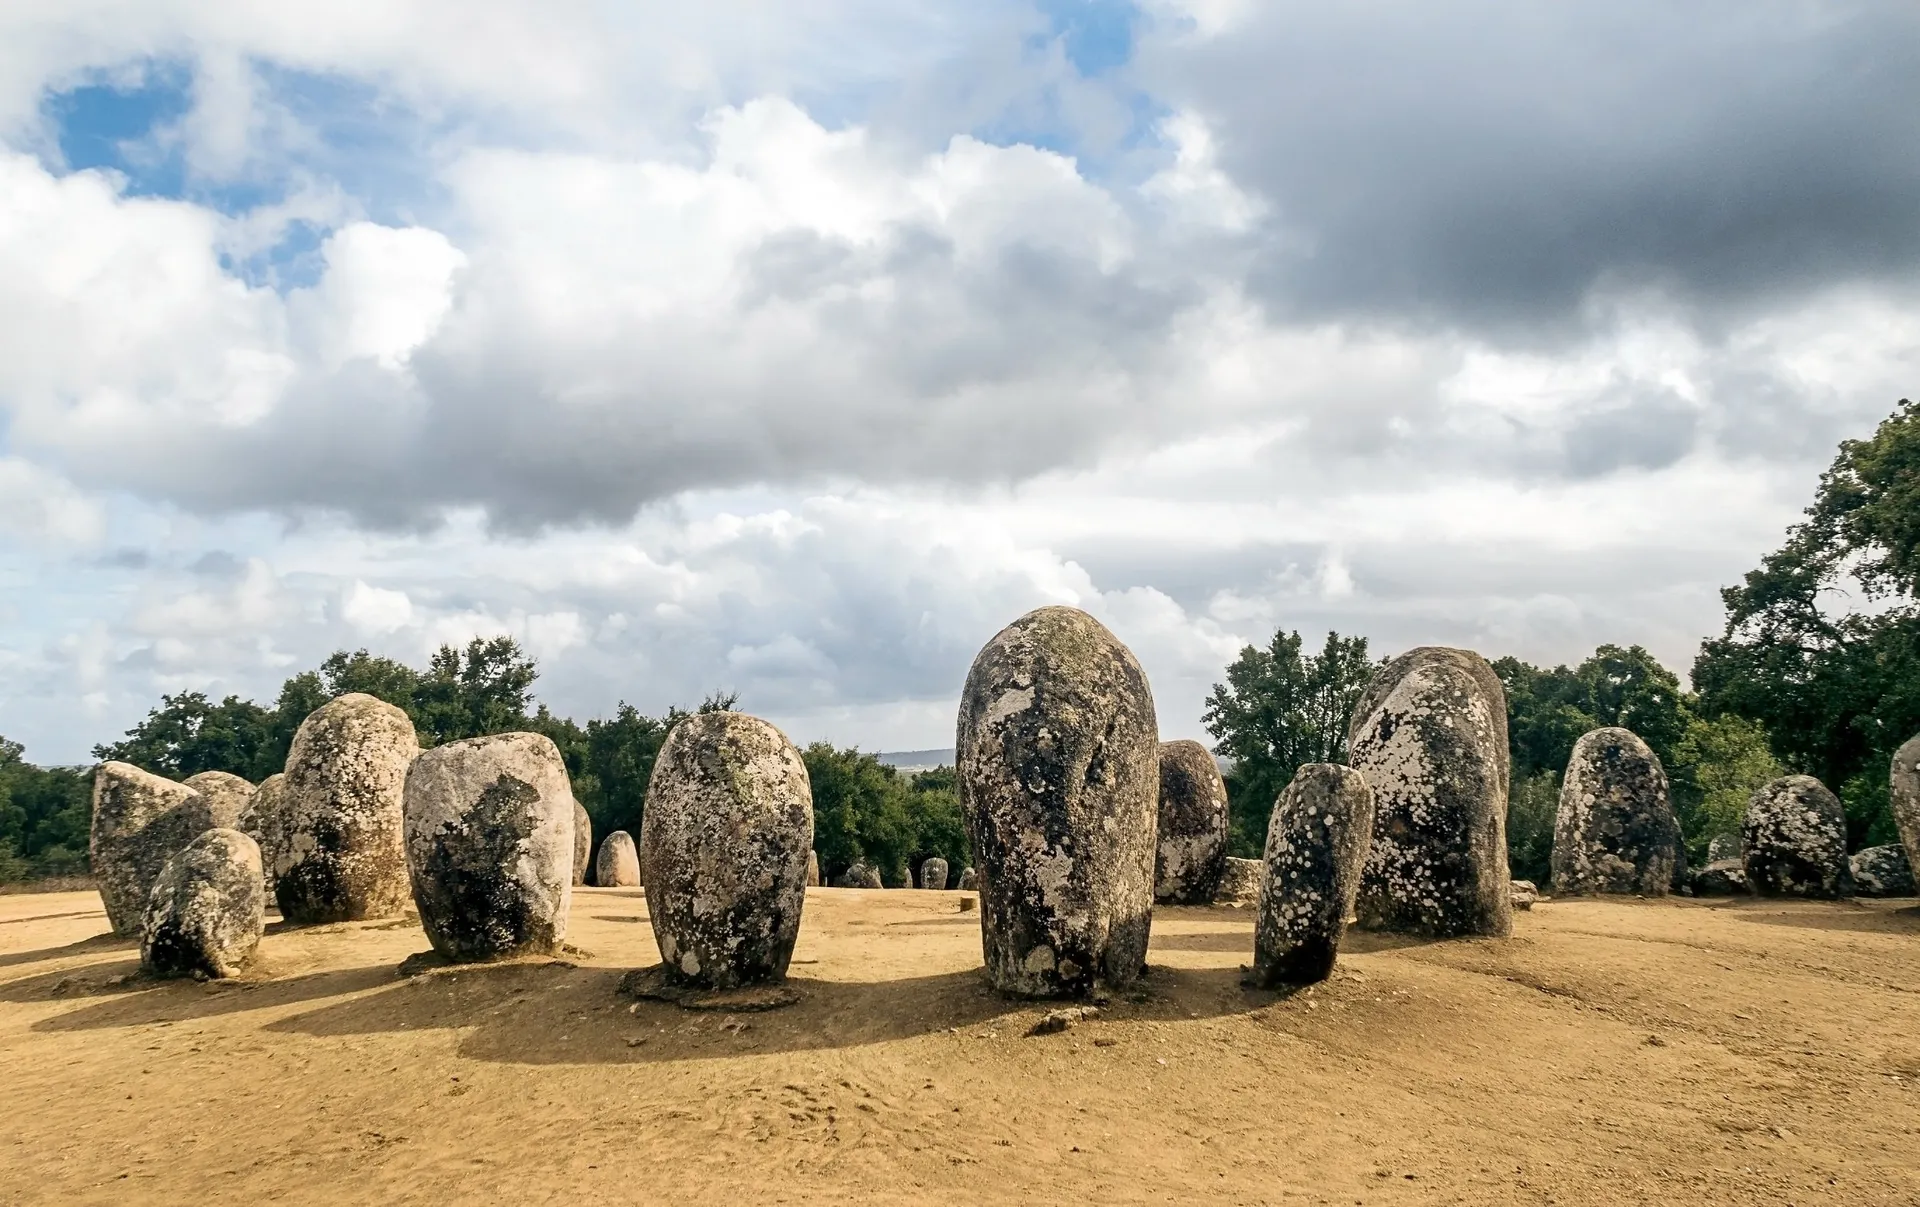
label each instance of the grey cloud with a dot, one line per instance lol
(1485, 165)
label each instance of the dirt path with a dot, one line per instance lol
(1670, 1052)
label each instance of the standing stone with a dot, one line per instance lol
(969, 880)
(490, 846)
(728, 826)
(344, 858)
(264, 821)
(1615, 832)
(1192, 839)
(1058, 765)
(1430, 736)
(619, 863)
(1721, 878)
(1240, 881)
(1316, 845)
(1905, 797)
(813, 869)
(1523, 894)
(140, 820)
(227, 796)
(1723, 846)
(1794, 840)
(582, 842)
(1882, 872)
(933, 873)
(859, 874)
(207, 909)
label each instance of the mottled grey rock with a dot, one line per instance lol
(490, 846)
(582, 842)
(207, 909)
(1316, 844)
(1430, 736)
(1882, 872)
(227, 796)
(619, 862)
(1058, 766)
(1240, 881)
(1904, 797)
(724, 846)
(933, 873)
(1524, 894)
(1615, 831)
(1721, 878)
(140, 820)
(859, 875)
(1191, 849)
(1794, 840)
(264, 821)
(969, 880)
(813, 869)
(1723, 846)
(344, 858)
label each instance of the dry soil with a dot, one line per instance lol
(1610, 1052)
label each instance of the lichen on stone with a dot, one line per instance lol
(1191, 849)
(1615, 831)
(343, 857)
(1317, 841)
(206, 911)
(140, 820)
(1793, 840)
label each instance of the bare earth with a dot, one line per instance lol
(1621, 1052)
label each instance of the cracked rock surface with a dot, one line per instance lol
(343, 858)
(1058, 767)
(1615, 831)
(582, 842)
(1430, 736)
(490, 846)
(227, 796)
(207, 910)
(619, 863)
(1794, 840)
(723, 850)
(1192, 828)
(140, 820)
(1316, 845)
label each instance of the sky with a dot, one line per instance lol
(793, 349)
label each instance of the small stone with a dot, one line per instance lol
(1721, 878)
(1240, 881)
(227, 796)
(933, 874)
(1615, 831)
(1882, 872)
(813, 869)
(140, 820)
(1523, 894)
(619, 863)
(969, 904)
(207, 909)
(1316, 843)
(344, 858)
(969, 880)
(1794, 840)
(491, 846)
(1723, 846)
(859, 874)
(1191, 851)
(1430, 736)
(582, 842)
(1054, 1021)
(1058, 766)
(724, 842)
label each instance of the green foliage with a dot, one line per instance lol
(864, 810)
(1533, 802)
(189, 734)
(1836, 688)
(1718, 764)
(45, 813)
(1280, 709)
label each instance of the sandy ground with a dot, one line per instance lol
(1619, 1052)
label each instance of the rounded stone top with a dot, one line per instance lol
(1431, 673)
(1594, 741)
(444, 771)
(227, 795)
(357, 710)
(1064, 660)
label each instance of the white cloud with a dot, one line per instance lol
(375, 610)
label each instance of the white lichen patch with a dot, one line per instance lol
(1615, 831)
(1793, 840)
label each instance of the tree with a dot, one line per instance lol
(484, 690)
(1277, 711)
(45, 814)
(1822, 641)
(864, 810)
(188, 734)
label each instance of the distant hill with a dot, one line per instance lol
(917, 760)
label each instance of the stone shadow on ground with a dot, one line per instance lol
(138, 1000)
(92, 943)
(1838, 915)
(561, 1014)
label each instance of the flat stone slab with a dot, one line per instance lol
(658, 984)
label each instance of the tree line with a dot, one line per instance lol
(1817, 670)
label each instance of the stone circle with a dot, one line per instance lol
(1191, 833)
(342, 810)
(490, 846)
(728, 826)
(1316, 845)
(1430, 737)
(1057, 763)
